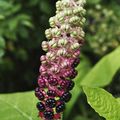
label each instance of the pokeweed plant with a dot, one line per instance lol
(104, 38)
(57, 70)
(22, 107)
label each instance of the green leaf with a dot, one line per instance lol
(2, 43)
(103, 72)
(45, 7)
(83, 69)
(18, 106)
(1, 52)
(81, 118)
(103, 103)
(2, 17)
(93, 2)
(118, 99)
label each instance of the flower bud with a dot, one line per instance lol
(43, 59)
(65, 63)
(48, 33)
(73, 34)
(76, 54)
(59, 5)
(62, 52)
(42, 70)
(62, 42)
(79, 10)
(54, 69)
(82, 21)
(56, 32)
(65, 27)
(45, 45)
(68, 12)
(50, 56)
(74, 20)
(60, 17)
(75, 46)
(52, 22)
(53, 43)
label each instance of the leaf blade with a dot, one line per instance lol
(102, 73)
(103, 103)
(19, 106)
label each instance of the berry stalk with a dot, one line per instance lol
(57, 70)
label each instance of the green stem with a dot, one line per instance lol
(61, 116)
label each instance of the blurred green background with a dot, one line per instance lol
(22, 26)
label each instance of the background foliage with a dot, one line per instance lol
(22, 26)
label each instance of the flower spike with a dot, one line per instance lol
(65, 37)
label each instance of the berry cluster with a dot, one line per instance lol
(53, 94)
(58, 65)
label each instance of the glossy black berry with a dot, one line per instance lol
(49, 115)
(70, 85)
(76, 62)
(40, 106)
(50, 102)
(66, 97)
(51, 93)
(60, 107)
(39, 95)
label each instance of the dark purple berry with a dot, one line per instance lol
(70, 85)
(52, 81)
(73, 74)
(51, 93)
(40, 106)
(60, 107)
(63, 84)
(37, 89)
(76, 62)
(49, 115)
(50, 102)
(39, 95)
(66, 97)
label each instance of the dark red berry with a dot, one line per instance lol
(66, 97)
(40, 106)
(49, 115)
(51, 93)
(50, 102)
(57, 116)
(70, 85)
(41, 83)
(39, 95)
(60, 107)
(52, 81)
(76, 62)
